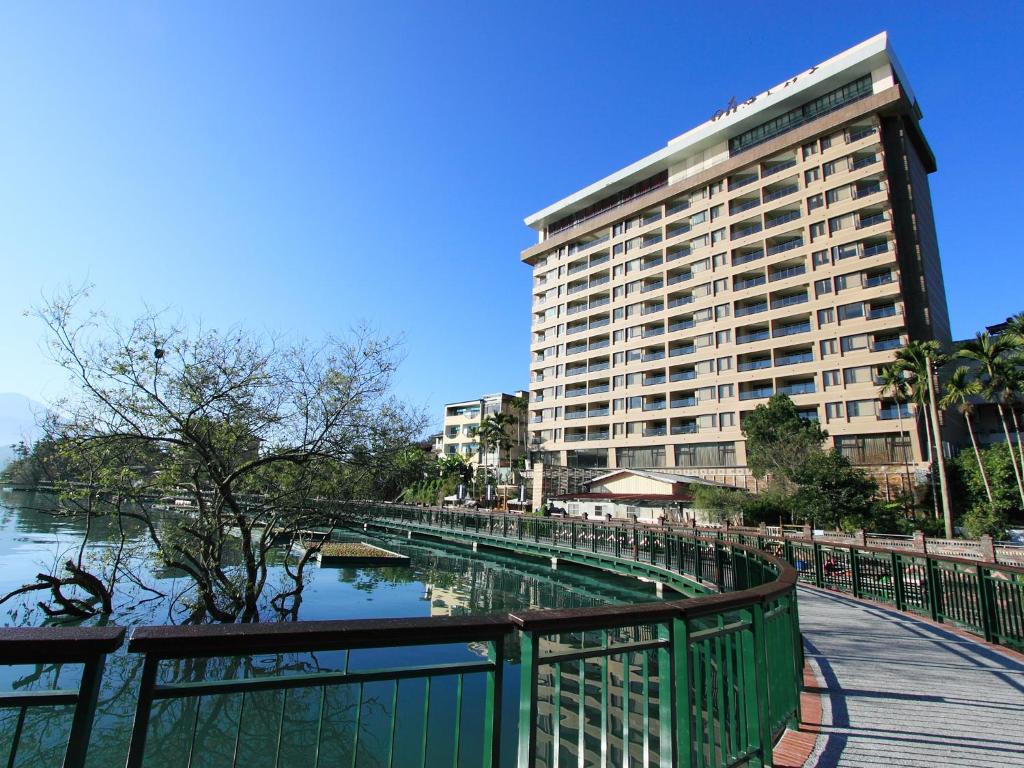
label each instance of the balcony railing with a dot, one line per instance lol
(750, 282)
(880, 312)
(793, 271)
(877, 248)
(596, 281)
(876, 280)
(574, 350)
(679, 254)
(863, 162)
(803, 357)
(683, 402)
(652, 263)
(682, 376)
(756, 394)
(754, 365)
(789, 301)
(650, 219)
(860, 192)
(788, 245)
(892, 412)
(598, 323)
(599, 302)
(580, 247)
(779, 220)
(575, 392)
(682, 205)
(742, 181)
(860, 133)
(680, 325)
(680, 301)
(777, 168)
(597, 436)
(751, 309)
(775, 194)
(655, 432)
(575, 437)
(685, 429)
(679, 351)
(599, 344)
(676, 231)
(652, 356)
(571, 289)
(651, 381)
(572, 310)
(598, 367)
(647, 242)
(744, 258)
(648, 287)
(576, 269)
(570, 330)
(804, 388)
(744, 205)
(751, 229)
(575, 415)
(883, 345)
(675, 279)
(746, 338)
(657, 406)
(789, 330)
(650, 309)
(575, 371)
(595, 412)
(598, 389)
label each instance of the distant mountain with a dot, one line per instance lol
(18, 421)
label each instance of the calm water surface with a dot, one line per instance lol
(441, 580)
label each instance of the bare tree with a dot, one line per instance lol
(223, 445)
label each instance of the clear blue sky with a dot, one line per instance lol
(301, 167)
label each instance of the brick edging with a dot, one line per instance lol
(796, 746)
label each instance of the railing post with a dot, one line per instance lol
(675, 705)
(572, 533)
(819, 574)
(528, 700)
(986, 605)
(85, 711)
(855, 571)
(719, 566)
(934, 584)
(492, 704)
(898, 589)
(764, 728)
(140, 725)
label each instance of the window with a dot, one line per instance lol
(721, 285)
(619, 313)
(634, 403)
(706, 455)
(820, 258)
(722, 310)
(855, 342)
(724, 391)
(817, 229)
(826, 316)
(813, 202)
(826, 142)
(859, 375)
(810, 149)
(653, 457)
(831, 378)
(851, 311)
(705, 394)
(828, 347)
(811, 175)
(719, 259)
(833, 410)
(725, 364)
(726, 420)
(856, 408)
(874, 449)
(822, 287)
(723, 337)
(704, 340)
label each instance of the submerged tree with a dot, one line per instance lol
(248, 440)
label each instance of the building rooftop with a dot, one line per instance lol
(732, 119)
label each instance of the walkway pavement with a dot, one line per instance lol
(903, 692)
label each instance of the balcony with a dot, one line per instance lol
(756, 394)
(655, 432)
(777, 221)
(880, 312)
(680, 351)
(595, 412)
(798, 388)
(650, 357)
(650, 309)
(750, 282)
(863, 162)
(571, 329)
(575, 437)
(780, 192)
(782, 274)
(683, 375)
(870, 221)
(651, 381)
(794, 328)
(789, 301)
(680, 278)
(680, 325)
(676, 207)
(786, 245)
(676, 231)
(594, 367)
(689, 428)
(875, 280)
(680, 301)
(599, 323)
(575, 371)
(650, 218)
(860, 133)
(751, 309)
(572, 309)
(744, 231)
(580, 247)
(597, 436)
(658, 405)
(771, 170)
(754, 365)
(648, 287)
(743, 205)
(679, 253)
(575, 288)
(647, 242)
(600, 280)
(883, 345)
(864, 191)
(575, 392)
(741, 181)
(795, 358)
(747, 257)
(597, 389)
(877, 248)
(576, 268)
(575, 415)
(747, 338)
(599, 344)
(655, 262)
(683, 402)
(649, 332)
(890, 412)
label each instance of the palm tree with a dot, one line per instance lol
(989, 351)
(491, 434)
(894, 385)
(959, 390)
(917, 361)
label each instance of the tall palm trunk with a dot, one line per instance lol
(931, 461)
(906, 456)
(977, 455)
(1016, 430)
(1009, 445)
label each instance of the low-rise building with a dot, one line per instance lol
(462, 420)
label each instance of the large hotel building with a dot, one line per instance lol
(785, 245)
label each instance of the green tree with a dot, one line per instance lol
(988, 352)
(779, 442)
(958, 391)
(893, 384)
(832, 493)
(983, 515)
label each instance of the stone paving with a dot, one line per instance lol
(903, 692)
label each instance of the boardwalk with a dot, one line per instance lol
(902, 692)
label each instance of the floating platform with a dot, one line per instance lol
(340, 554)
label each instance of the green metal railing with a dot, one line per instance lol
(706, 681)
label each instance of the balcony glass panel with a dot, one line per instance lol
(789, 330)
(756, 394)
(793, 271)
(788, 245)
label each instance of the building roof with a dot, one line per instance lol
(624, 497)
(737, 117)
(663, 477)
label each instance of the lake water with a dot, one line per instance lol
(441, 580)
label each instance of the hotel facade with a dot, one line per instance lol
(786, 245)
